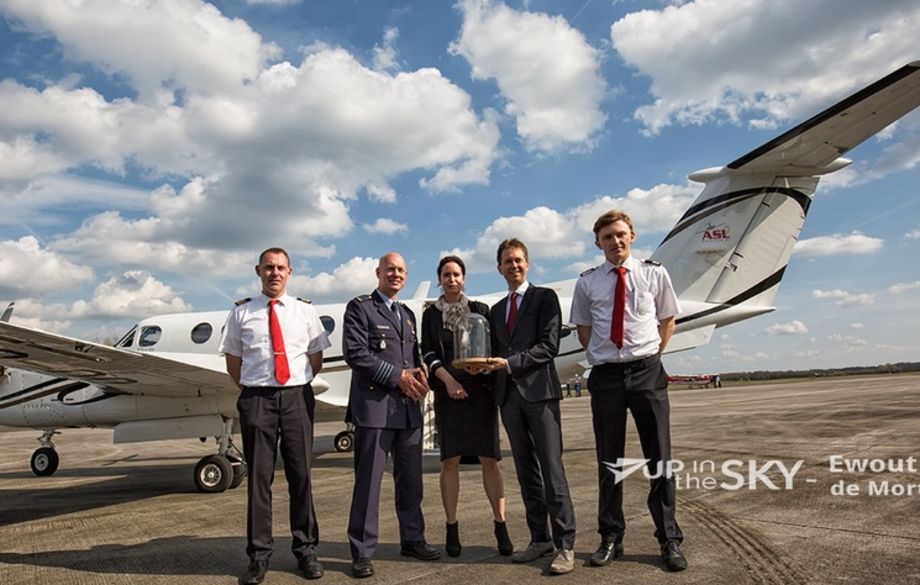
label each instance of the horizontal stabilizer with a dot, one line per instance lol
(814, 144)
(689, 339)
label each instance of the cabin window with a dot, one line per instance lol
(149, 336)
(328, 323)
(201, 332)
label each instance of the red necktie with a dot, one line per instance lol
(282, 374)
(619, 307)
(512, 312)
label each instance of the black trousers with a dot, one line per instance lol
(641, 387)
(371, 448)
(267, 415)
(535, 433)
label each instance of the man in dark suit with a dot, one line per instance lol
(380, 345)
(525, 328)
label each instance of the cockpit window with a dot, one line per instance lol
(328, 323)
(127, 340)
(201, 332)
(149, 336)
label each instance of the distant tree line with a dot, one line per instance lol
(898, 368)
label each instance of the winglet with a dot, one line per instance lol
(421, 292)
(7, 313)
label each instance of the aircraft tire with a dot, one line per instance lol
(44, 461)
(213, 474)
(239, 474)
(344, 441)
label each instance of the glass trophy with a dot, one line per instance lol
(472, 343)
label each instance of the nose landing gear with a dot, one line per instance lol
(224, 470)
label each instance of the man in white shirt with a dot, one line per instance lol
(273, 345)
(625, 311)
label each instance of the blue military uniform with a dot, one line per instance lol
(378, 344)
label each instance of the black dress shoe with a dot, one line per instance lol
(606, 552)
(361, 568)
(310, 567)
(255, 573)
(420, 550)
(673, 559)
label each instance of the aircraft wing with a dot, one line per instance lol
(816, 143)
(116, 370)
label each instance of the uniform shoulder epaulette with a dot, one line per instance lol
(362, 298)
(303, 300)
(242, 301)
(652, 262)
(588, 271)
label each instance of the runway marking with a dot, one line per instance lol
(764, 564)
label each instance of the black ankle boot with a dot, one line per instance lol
(505, 548)
(452, 545)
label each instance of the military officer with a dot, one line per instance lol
(273, 345)
(380, 345)
(625, 312)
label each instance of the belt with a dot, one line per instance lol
(276, 388)
(631, 365)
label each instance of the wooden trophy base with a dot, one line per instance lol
(472, 365)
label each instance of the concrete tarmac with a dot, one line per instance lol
(130, 514)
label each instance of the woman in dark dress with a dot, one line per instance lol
(465, 411)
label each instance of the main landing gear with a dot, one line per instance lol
(45, 459)
(345, 441)
(223, 471)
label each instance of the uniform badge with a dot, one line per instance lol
(383, 344)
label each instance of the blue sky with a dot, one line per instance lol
(149, 151)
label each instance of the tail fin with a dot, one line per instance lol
(733, 244)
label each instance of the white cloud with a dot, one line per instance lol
(698, 56)
(651, 210)
(857, 326)
(385, 57)
(28, 269)
(849, 342)
(178, 44)
(913, 234)
(386, 226)
(247, 139)
(843, 298)
(135, 293)
(545, 69)
(546, 232)
(381, 193)
(903, 287)
(791, 328)
(552, 234)
(354, 277)
(836, 244)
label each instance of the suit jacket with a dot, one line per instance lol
(378, 348)
(531, 347)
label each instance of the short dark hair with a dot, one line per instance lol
(456, 260)
(610, 217)
(511, 243)
(275, 251)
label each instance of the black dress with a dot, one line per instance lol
(467, 427)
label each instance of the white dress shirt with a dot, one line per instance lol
(650, 298)
(246, 335)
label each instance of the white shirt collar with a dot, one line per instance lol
(630, 264)
(521, 289)
(284, 299)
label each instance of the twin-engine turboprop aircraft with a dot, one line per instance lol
(165, 380)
